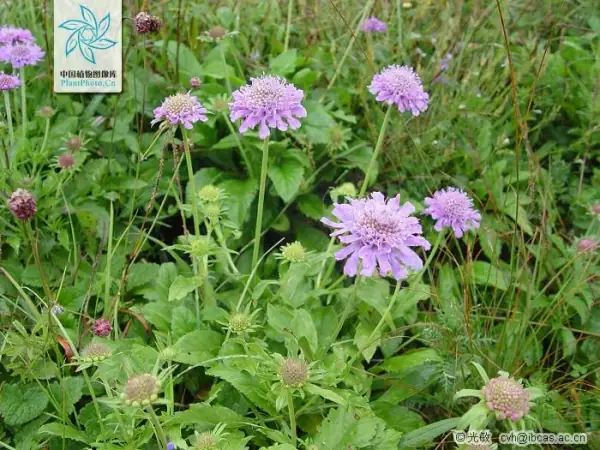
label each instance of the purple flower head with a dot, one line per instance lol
(12, 35)
(8, 82)
(400, 86)
(21, 55)
(586, 245)
(170, 446)
(451, 207)
(270, 102)
(373, 25)
(507, 398)
(102, 328)
(22, 205)
(184, 109)
(378, 233)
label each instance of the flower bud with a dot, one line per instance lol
(141, 390)
(293, 252)
(507, 398)
(217, 32)
(22, 205)
(586, 245)
(74, 144)
(102, 328)
(95, 351)
(195, 82)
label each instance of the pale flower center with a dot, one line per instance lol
(266, 91)
(401, 80)
(378, 225)
(179, 104)
(455, 206)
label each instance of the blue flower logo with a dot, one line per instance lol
(88, 34)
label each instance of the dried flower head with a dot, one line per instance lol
(74, 143)
(21, 55)
(95, 351)
(22, 204)
(373, 25)
(10, 35)
(147, 23)
(141, 390)
(46, 112)
(210, 193)
(586, 245)
(451, 207)
(293, 372)
(507, 398)
(8, 82)
(102, 328)
(217, 32)
(293, 252)
(400, 86)
(269, 102)
(66, 161)
(378, 232)
(195, 82)
(184, 109)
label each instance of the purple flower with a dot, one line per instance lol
(102, 328)
(12, 35)
(8, 82)
(378, 233)
(507, 398)
(586, 245)
(400, 85)
(21, 55)
(451, 207)
(270, 102)
(22, 205)
(184, 109)
(373, 25)
(170, 446)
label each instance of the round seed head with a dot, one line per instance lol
(46, 112)
(240, 322)
(95, 351)
(74, 144)
(205, 440)
(294, 372)
(22, 205)
(141, 389)
(586, 245)
(66, 161)
(217, 32)
(210, 193)
(293, 252)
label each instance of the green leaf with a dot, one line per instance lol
(286, 175)
(241, 194)
(311, 206)
(374, 292)
(325, 393)
(67, 393)
(284, 63)
(303, 326)
(189, 66)
(64, 431)
(488, 275)
(410, 360)
(20, 404)
(362, 342)
(197, 347)
(248, 385)
(426, 435)
(141, 273)
(207, 415)
(182, 286)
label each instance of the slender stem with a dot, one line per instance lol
(38, 261)
(288, 25)
(378, 146)
(226, 72)
(46, 132)
(290, 399)
(23, 105)
(223, 245)
(11, 134)
(160, 434)
(350, 45)
(261, 202)
(239, 144)
(320, 276)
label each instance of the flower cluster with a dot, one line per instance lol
(269, 102)
(18, 47)
(373, 25)
(8, 82)
(452, 208)
(184, 109)
(400, 86)
(507, 398)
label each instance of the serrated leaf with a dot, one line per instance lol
(207, 415)
(182, 286)
(67, 393)
(285, 63)
(311, 206)
(286, 176)
(64, 431)
(303, 326)
(20, 404)
(410, 360)
(197, 347)
(488, 275)
(425, 435)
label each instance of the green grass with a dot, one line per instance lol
(513, 121)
